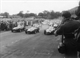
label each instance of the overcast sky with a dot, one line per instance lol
(36, 6)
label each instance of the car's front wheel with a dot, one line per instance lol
(26, 32)
(20, 30)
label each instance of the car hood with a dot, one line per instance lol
(50, 29)
(31, 29)
(17, 27)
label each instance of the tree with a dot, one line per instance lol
(46, 14)
(20, 14)
(55, 14)
(5, 14)
(52, 14)
(40, 14)
(30, 15)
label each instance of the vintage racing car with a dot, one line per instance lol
(49, 30)
(20, 27)
(32, 30)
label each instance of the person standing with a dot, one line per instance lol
(66, 29)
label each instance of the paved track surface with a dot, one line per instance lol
(21, 45)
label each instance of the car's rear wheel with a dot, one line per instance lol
(11, 30)
(38, 30)
(44, 32)
(53, 32)
(35, 32)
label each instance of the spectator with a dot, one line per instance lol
(66, 29)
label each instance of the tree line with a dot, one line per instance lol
(45, 14)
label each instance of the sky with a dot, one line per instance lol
(36, 6)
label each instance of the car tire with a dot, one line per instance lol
(44, 32)
(20, 30)
(12, 31)
(38, 30)
(34, 32)
(23, 29)
(53, 32)
(26, 32)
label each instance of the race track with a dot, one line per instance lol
(21, 45)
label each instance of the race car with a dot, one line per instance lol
(20, 27)
(49, 30)
(32, 30)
